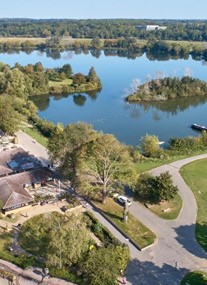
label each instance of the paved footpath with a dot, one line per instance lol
(176, 251)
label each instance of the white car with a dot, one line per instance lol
(123, 199)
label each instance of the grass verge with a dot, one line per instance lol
(139, 233)
(35, 134)
(168, 210)
(195, 278)
(150, 163)
(195, 175)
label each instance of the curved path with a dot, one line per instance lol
(176, 251)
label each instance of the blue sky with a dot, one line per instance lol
(85, 9)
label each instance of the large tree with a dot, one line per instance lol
(105, 164)
(69, 239)
(66, 144)
(9, 118)
(150, 145)
(103, 265)
(154, 189)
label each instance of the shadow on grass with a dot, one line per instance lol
(186, 237)
(201, 235)
(113, 216)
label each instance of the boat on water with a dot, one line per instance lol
(198, 127)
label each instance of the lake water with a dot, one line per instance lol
(107, 111)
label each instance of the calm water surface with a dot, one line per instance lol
(107, 111)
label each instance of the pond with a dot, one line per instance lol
(107, 110)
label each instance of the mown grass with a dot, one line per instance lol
(139, 233)
(66, 81)
(35, 134)
(174, 206)
(150, 163)
(195, 278)
(195, 175)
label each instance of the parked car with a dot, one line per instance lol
(122, 200)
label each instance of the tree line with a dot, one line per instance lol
(129, 47)
(19, 82)
(188, 30)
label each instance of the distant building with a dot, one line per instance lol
(155, 27)
(150, 27)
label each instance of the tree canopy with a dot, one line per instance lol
(154, 189)
(160, 89)
(95, 162)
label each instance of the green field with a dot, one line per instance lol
(195, 278)
(168, 210)
(63, 82)
(133, 228)
(195, 175)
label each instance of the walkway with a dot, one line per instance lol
(176, 250)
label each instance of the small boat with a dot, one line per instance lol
(161, 142)
(199, 127)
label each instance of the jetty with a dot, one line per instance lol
(199, 127)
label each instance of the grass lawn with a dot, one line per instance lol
(173, 205)
(35, 134)
(195, 175)
(148, 164)
(133, 228)
(66, 81)
(195, 278)
(5, 241)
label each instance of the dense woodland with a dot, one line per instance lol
(189, 30)
(169, 88)
(19, 82)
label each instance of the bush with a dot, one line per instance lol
(65, 274)
(100, 231)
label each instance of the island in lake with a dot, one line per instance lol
(168, 88)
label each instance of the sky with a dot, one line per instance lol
(104, 9)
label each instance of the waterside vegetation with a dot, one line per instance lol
(161, 89)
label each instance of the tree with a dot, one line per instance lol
(65, 146)
(96, 43)
(104, 164)
(79, 78)
(67, 69)
(93, 78)
(103, 265)
(69, 239)
(156, 189)
(150, 145)
(9, 118)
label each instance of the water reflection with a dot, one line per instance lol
(79, 99)
(43, 101)
(171, 107)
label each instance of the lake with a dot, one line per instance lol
(107, 111)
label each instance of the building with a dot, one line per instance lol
(17, 160)
(155, 27)
(19, 170)
(13, 192)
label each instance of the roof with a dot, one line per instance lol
(12, 188)
(16, 160)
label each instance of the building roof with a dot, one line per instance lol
(12, 188)
(16, 160)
